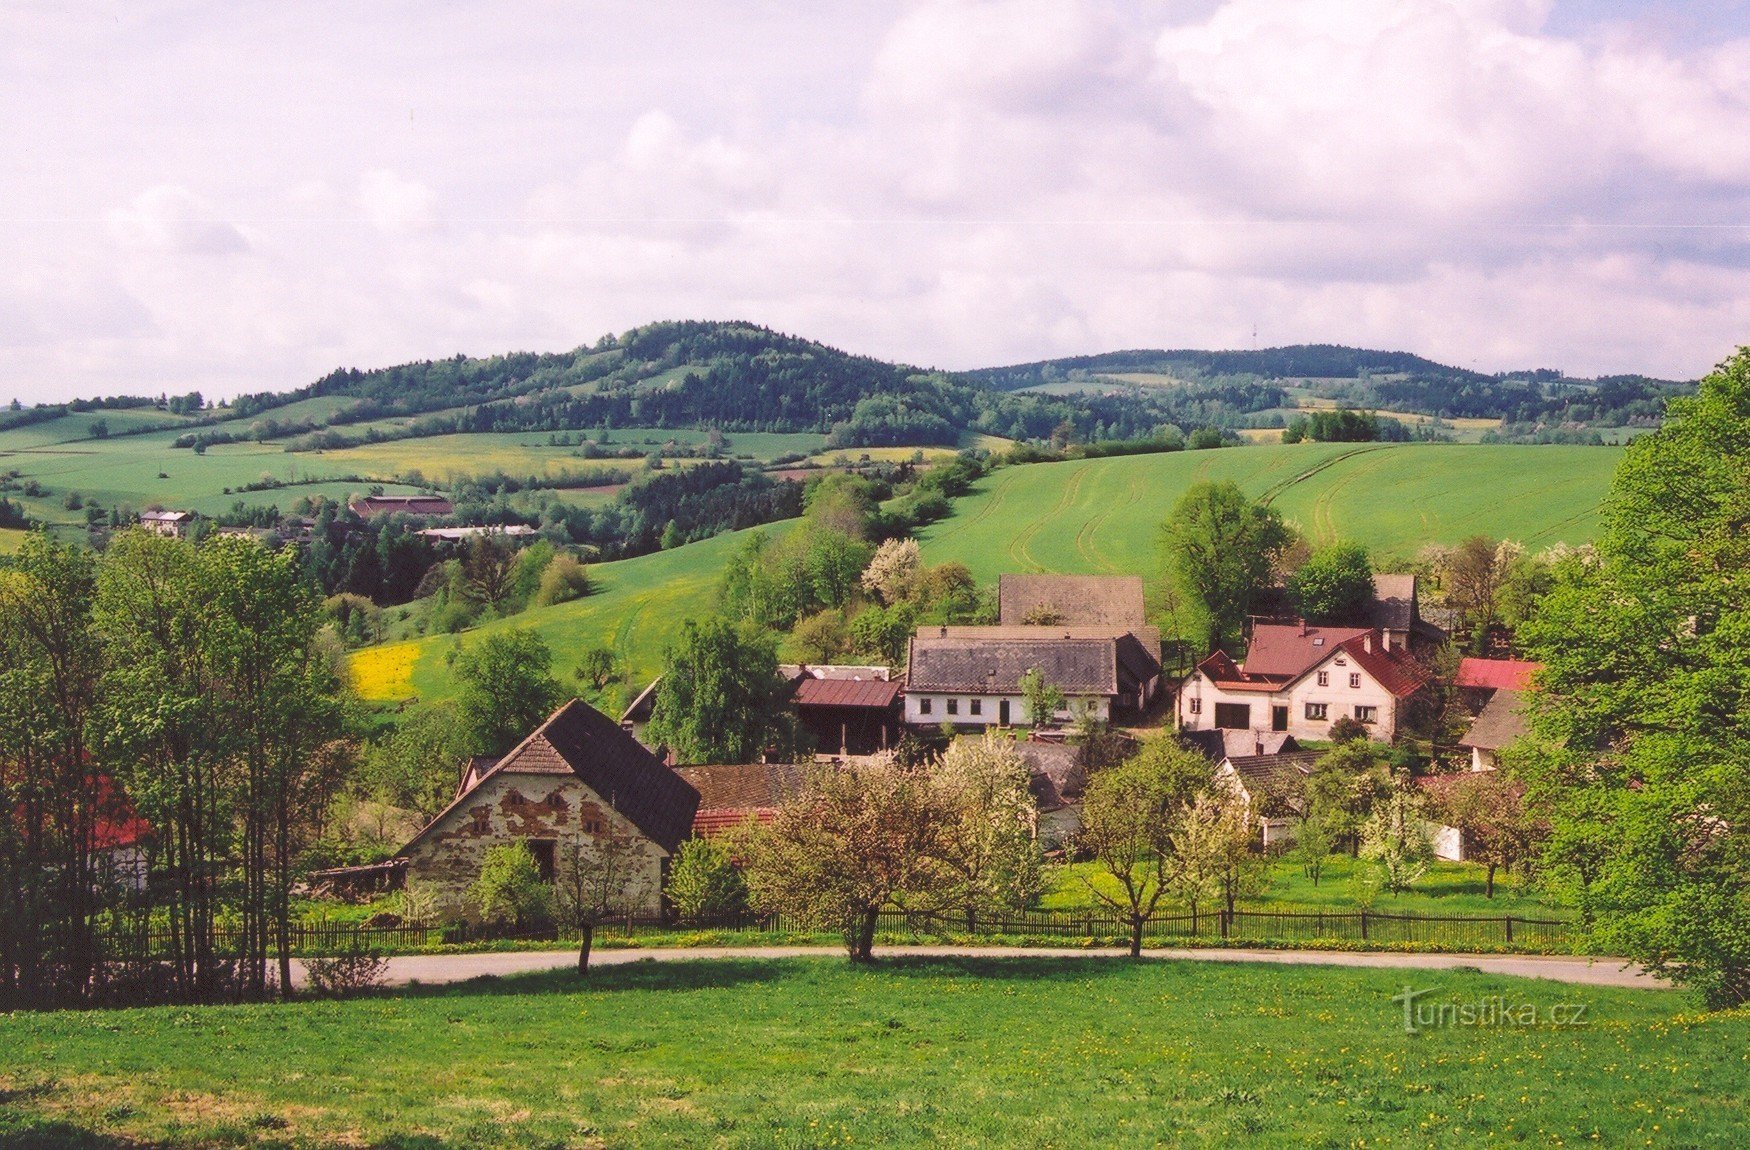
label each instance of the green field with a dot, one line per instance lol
(1104, 515)
(636, 609)
(811, 1053)
(1448, 888)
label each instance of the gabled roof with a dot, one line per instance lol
(370, 505)
(1098, 600)
(1394, 603)
(579, 740)
(1057, 775)
(992, 660)
(1273, 773)
(1282, 654)
(165, 516)
(1500, 723)
(730, 794)
(1289, 650)
(1495, 674)
(474, 768)
(871, 693)
(1220, 744)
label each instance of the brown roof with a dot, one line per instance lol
(1058, 777)
(1099, 600)
(1289, 650)
(979, 665)
(1394, 602)
(873, 693)
(1499, 724)
(577, 739)
(409, 504)
(730, 794)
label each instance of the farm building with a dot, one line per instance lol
(174, 524)
(1300, 679)
(1058, 780)
(577, 777)
(846, 710)
(1270, 786)
(971, 676)
(1071, 600)
(369, 505)
(731, 795)
(1396, 614)
(1217, 745)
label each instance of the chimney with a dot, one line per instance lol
(1303, 628)
(1367, 642)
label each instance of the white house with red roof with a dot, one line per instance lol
(1300, 679)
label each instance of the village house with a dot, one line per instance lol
(428, 505)
(173, 524)
(577, 777)
(1300, 679)
(1272, 788)
(1072, 600)
(1495, 692)
(972, 676)
(1395, 612)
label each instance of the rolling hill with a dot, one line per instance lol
(1095, 516)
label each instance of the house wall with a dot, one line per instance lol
(511, 807)
(1448, 842)
(1340, 699)
(991, 709)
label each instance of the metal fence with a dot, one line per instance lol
(1255, 925)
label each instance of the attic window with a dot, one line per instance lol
(1319, 641)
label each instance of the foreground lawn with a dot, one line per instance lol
(812, 1053)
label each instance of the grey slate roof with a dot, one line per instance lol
(1097, 600)
(1394, 603)
(1500, 723)
(1217, 745)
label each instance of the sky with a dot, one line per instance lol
(242, 196)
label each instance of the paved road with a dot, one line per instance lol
(440, 968)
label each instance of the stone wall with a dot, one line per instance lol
(512, 807)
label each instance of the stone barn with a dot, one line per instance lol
(578, 776)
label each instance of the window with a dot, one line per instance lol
(1324, 678)
(953, 706)
(977, 706)
(546, 852)
(926, 705)
(1196, 707)
(1317, 712)
(1366, 714)
(1354, 680)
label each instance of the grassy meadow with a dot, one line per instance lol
(637, 605)
(1104, 515)
(915, 1052)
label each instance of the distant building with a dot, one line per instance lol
(1298, 679)
(1071, 600)
(577, 776)
(430, 505)
(734, 794)
(457, 534)
(971, 676)
(174, 524)
(1218, 745)
(847, 710)
(1272, 788)
(1396, 614)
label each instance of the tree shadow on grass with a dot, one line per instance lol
(648, 974)
(32, 1133)
(1021, 968)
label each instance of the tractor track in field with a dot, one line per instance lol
(1020, 547)
(1270, 494)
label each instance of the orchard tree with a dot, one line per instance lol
(1395, 838)
(987, 843)
(703, 882)
(1221, 548)
(600, 877)
(849, 842)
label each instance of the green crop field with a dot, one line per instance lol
(636, 609)
(1104, 515)
(812, 1053)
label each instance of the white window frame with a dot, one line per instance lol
(1195, 706)
(1354, 680)
(1366, 713)
(1324, 678)
(925, 704)
(1323, 715)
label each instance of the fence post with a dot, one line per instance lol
(1363, 924)
(1509, 929)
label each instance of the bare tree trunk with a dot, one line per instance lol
(586, 939)
(1136, 924)
(1489, 884)
(863, 945)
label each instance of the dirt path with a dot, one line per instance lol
(443, 968)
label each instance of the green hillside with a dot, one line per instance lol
(1096, 516)
(1103, 515)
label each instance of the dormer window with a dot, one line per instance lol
(1319, 641)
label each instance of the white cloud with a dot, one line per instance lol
(395, 205)
(952, 183)
(171, 219)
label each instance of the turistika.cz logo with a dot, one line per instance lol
(1490, 1010)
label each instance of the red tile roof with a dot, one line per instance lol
(1393, 670)
(1282, 653)
(812, 692)
(1496, 674)
(1290, 650)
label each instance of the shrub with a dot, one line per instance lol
(563, 580)
(510, 888)
(704, 884)
(343, 975)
